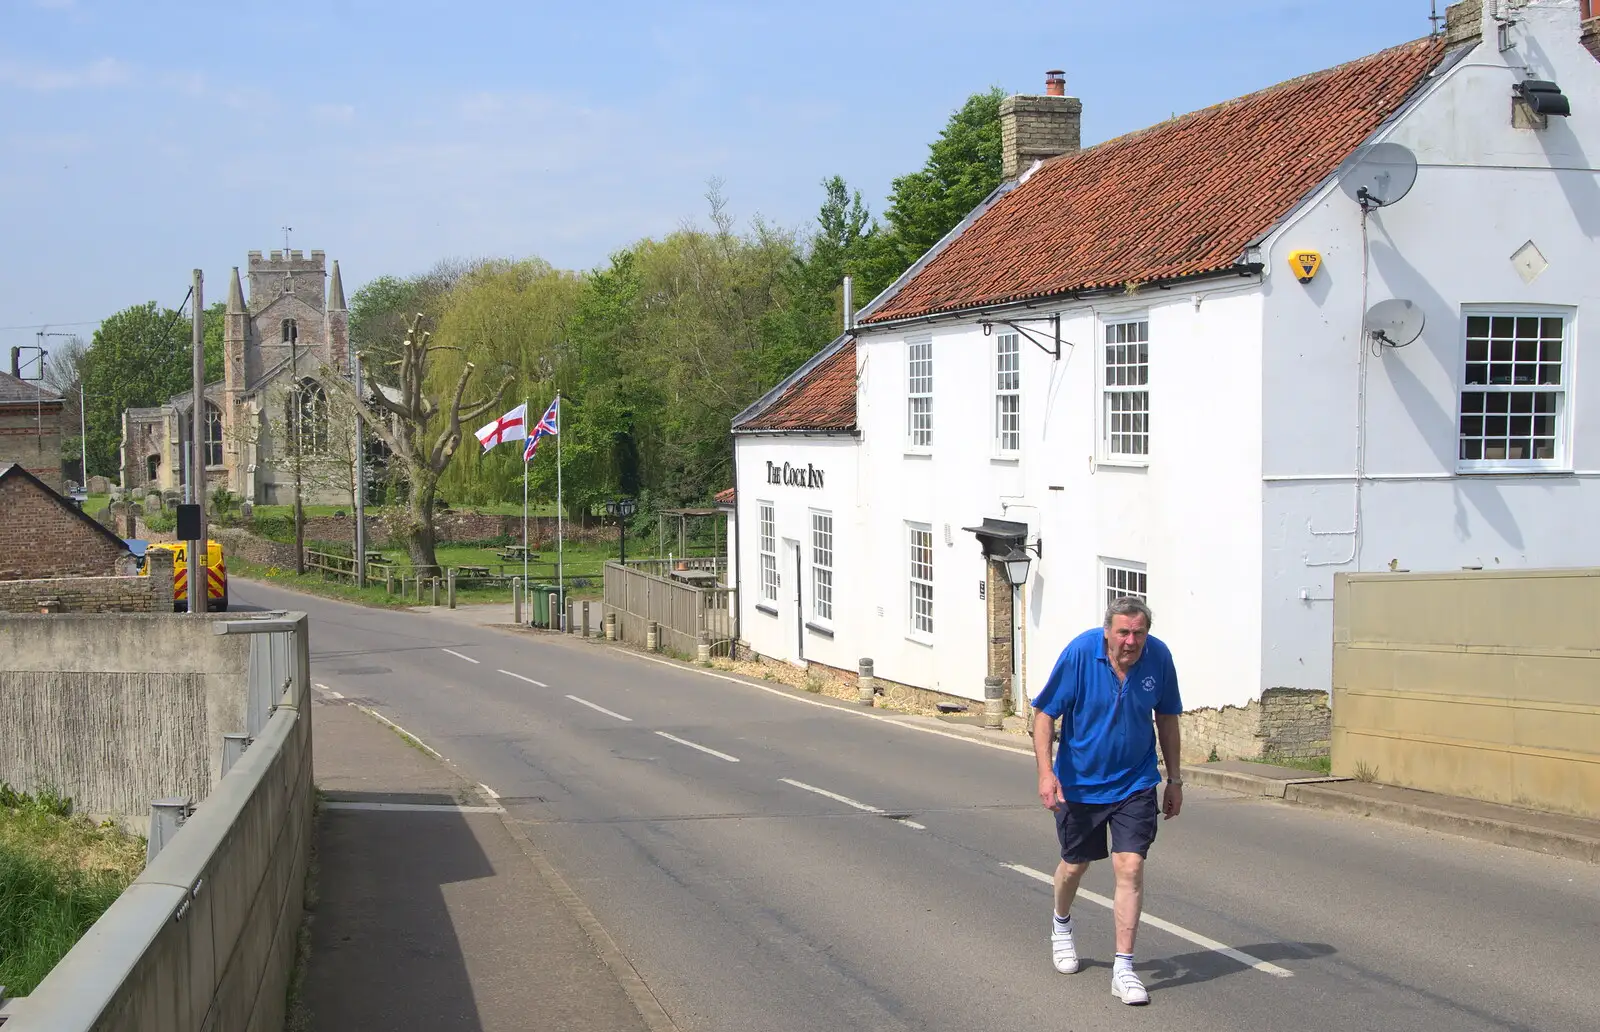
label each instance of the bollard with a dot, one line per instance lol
(450, 587)
(554, 608)
(516, 598)
(388, 584)
(611, 626)
(233, 747)
(994, 701)
(585, 618)
(417, 587)
(571, 614)
(702, 649)
(166, 817)
(652, 636)
(866, 684)
(436, 593)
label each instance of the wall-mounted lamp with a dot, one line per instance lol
(1542, 97)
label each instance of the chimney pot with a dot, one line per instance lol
(1055, 83)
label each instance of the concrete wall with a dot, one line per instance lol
(205, 937)
(1418, 506)
(1479, 684)
(116, 711)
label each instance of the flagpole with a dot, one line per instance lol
(561, 580)
(525, 507)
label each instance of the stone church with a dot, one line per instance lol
(291, 332)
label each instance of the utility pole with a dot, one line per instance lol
(200, 550)
(298, 426)
(83, 439)
(361, 483)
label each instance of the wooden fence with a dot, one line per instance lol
(681, 612)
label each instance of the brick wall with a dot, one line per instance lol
(1036, 128)
(998, 596)
(40, 538)
(1286, 722)
(22, 443)
(1591, 36)
(151, 594)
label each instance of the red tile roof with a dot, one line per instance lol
(1179, 199)
(725, 496)
(822, 399)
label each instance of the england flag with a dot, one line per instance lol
(513, 426)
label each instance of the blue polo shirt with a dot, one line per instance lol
(1108, 739)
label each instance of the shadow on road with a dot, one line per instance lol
(1205, 965)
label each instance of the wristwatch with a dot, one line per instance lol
(1175, 781)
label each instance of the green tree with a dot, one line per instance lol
(140, 356)
(963, 168)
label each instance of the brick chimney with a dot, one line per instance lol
(1035, 127)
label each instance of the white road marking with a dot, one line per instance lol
(602, 709)
(846, 800)
(836, 797)
(329, 692)
(491, 792)
(530, 680)
(458, 655)
(1167, 926)
(844, 710)
(694, 745)
(430, 750)
(412, 807)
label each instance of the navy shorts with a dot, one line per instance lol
(1081, 827)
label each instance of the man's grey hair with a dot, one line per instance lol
(1129, 606)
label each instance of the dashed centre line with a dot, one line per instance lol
(836, 797)
(1206, 942)
(695, 745)
(858, 804)
(598, 708)
(458, 655)
(530, 680)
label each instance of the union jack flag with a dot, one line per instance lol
(549, 425)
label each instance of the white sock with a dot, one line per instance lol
(1063, 924)
(1124, 962)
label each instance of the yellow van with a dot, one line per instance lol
(216, 574)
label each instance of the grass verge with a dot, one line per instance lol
(58, 874)
(1314, 764)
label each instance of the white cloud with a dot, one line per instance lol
(106, 72)
(335, 114)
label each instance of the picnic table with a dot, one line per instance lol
(464, 572)
(516, 553)
(376, 557)
(698, 578)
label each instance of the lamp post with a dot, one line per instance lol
(622, 508)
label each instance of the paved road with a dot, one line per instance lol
(767, 861)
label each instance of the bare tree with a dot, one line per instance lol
(422, 435)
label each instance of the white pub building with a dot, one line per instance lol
(1341, 324)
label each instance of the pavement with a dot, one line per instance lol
(760, 858)
(432, 912)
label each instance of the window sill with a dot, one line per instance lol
(760, 608)
(920, 639)
(1514, 471)
(1131, 465)
(819, 630)
(1006, 459)
(919, 453)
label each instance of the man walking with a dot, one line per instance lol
(1104, 689)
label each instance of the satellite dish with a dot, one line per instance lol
(1394, 323)
(1378, 174)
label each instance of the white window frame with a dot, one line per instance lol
(1476, 411)
(919, 394)
(767, 545)
(1008, 395)
(1123, 578)
(919, 582)
(822, 567)
(1118, 399)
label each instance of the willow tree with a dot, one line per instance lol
(421, 430)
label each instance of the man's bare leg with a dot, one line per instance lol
(1129, 868)
(1067, 878)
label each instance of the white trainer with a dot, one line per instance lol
(1125, 986)
(1063, 950)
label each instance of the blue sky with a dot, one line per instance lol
(141, 140)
